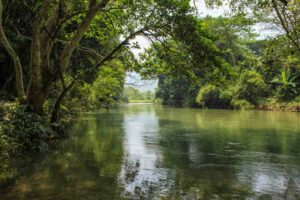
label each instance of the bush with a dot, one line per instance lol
(25, 131)
(286, 92)
(208, 96)
(227, 95)
(286, 87)
(4, 143)
(243, 94)
(6, 148)
(241, 104)
(251, 87)
(213, 97)
(82, 98)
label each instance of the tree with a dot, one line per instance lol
(47, 21)
(283, 15)
(132, 93)
(232, 33)
(17, 63)
(58, 28)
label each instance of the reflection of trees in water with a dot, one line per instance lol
(82, 167)
(267, 179)
(141, 176)
(131, 175)
(141, 190)
(131, 169)
(204, 170)
(211, 160)
(204, 154)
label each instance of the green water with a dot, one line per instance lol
(142, 151)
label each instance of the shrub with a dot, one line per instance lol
(286, 93)
(285, 86)
(26, 131)
(241, 104)
(208, 96)
(250, 87)
(4, 144)
(227, 94)
(212, 96)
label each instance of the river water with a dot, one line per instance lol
(144, 151)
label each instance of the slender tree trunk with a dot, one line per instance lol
(48, 38)
(14, 56)
(58, 102)
(66, 54)
(285, 26)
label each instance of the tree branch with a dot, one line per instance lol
(54, 115)
(285, 26)
(13, 54)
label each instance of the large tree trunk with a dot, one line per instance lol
(36, 93)
(14, 56)
(36, 99)
(40, 83)
(44, 33)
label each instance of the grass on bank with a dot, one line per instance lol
(274, 105)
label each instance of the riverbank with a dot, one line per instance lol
(141, 101)
(276, 106)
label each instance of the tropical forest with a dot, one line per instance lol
(149, 99)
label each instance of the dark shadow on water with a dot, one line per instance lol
(85, 166)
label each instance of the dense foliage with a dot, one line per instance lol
(256, 73)
(134, 95)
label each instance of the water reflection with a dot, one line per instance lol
(140, 174)
(155, 152)
(200, 154)
(85, 166)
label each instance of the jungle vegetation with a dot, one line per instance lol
(256, 71)
(134, 95)
(62, 57)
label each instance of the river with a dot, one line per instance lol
(145, 151)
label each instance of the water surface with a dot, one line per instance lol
(143, 151)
